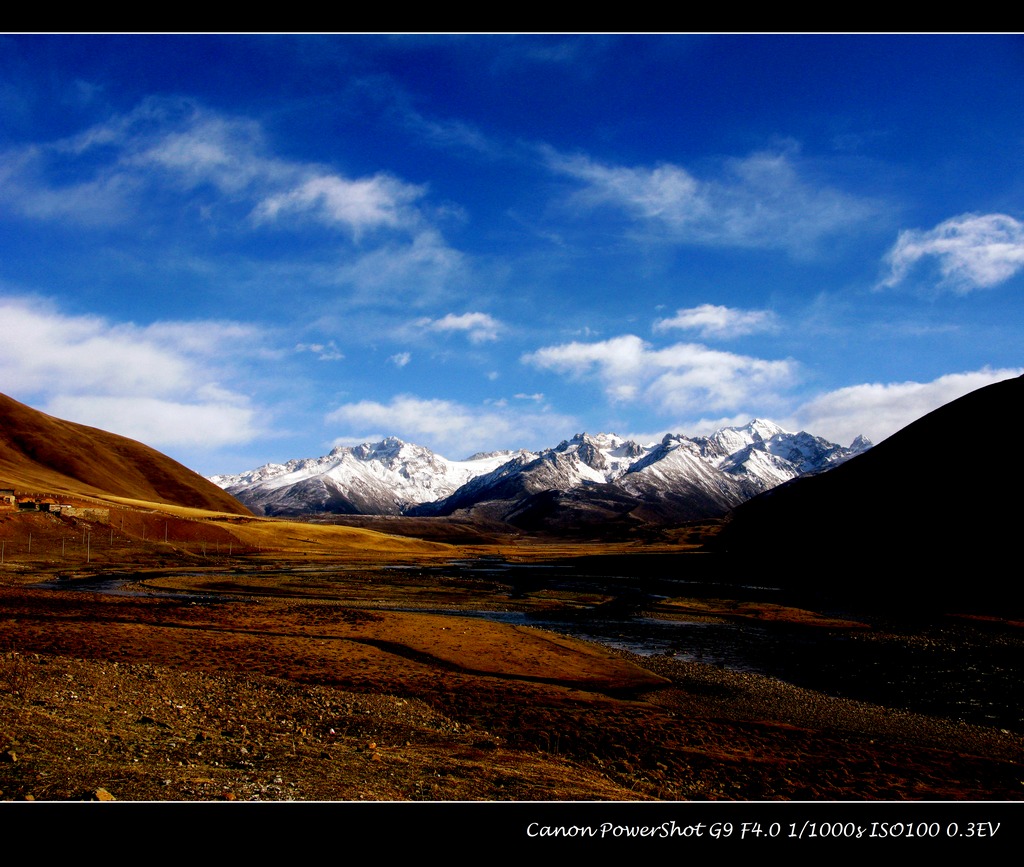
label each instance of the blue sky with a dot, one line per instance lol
(241, 249)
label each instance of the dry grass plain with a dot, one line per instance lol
(252, 659)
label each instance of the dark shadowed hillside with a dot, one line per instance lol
(933, 511)
(40, 453)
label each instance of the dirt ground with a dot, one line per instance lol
(298, 682)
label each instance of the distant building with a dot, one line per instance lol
(37, 504)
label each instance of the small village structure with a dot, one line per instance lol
(11, 501)
(37, 504)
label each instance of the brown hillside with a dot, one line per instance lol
(40, 453)
(920, 505)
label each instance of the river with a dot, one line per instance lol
(950, 667)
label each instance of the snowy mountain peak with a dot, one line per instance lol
(729, 440)
(389, 447)
(385, 477)
(395, 477)
(599, 440)
(597, 458)
(760, 429)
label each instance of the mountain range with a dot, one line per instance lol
(384, 478)
(930, 513)
(586, 479)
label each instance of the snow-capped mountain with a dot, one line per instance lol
(583, 460)
(680, 478)
(384, 478)
(584, 478)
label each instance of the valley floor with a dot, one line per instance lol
(262, 680)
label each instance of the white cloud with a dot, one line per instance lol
(450, 427)
(758, 201)
(711, 320)
(46, 351)
(618, 357)
(365, 203)
(157, 383)
(878, 410)
(972, 251)
(479, 327)
(680, 378)
(157, 422)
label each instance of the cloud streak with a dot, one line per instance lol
(684, 377)
(478, 327)
(760, 201)
(711, 321)
(224, 168)
(323, 351)
(971, 251)
(363, 204)
(395, 273)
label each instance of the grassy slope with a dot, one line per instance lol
(43, 454)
